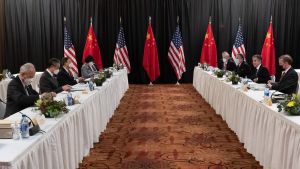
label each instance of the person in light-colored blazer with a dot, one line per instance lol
(89, 69)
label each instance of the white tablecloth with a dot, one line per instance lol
(68, 138)
(4, 84)
(272, 137)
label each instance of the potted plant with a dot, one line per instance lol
(49, 107)
(100, 80)
(234, 78)
(219, 73)
(291, 105)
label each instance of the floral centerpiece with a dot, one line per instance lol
(118, 66)
(100, 79)
(204, 66)
(291, 105)
(49, 107)
(107, 73)
(234, 78)
(219, 73)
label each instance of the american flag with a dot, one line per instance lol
(238, 46)
(121, 53)
(69, 52)
(176, 53)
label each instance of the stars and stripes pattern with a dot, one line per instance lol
(121, 54)
(176, 54)
(238, 46)
(69, 52)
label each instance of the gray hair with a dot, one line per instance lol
(27, 67)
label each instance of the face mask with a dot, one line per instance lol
(56, 71)
(224, 60)
(91, 63)
(27, 82)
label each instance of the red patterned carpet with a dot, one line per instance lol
(167, 127)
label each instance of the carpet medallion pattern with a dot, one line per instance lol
(167, 127)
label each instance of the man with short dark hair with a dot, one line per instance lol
(48, 81)
(89, 69)
(260, 74)
(288, 82)
(65, 75)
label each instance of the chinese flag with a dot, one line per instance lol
(209, 49)
(92, 48)
(268, 52)
(150, 60)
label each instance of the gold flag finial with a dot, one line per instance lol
(177, 19)
(149, 19)
(209, 19)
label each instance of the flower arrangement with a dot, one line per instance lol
(107, 73)
(118, 66)
(291, 105)
(204, 66)
(100, 79)
(234, 78)
(219, 73)
(49, 107)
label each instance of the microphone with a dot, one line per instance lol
(35, 127)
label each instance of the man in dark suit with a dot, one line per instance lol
(288, 82)
(20, 94)
(89, 69)
(260, 74)
(48, 81)
(228, 62)
(243, 69)
(65, 76)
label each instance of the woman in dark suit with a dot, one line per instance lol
(243, 69)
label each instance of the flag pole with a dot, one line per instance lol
(271, 19)
(178, 19)
(91, 21)
(65, 19)
(149, 19)
(210, 19)
(177, 83)
(120, 20)
(150, 84)
(239, 20)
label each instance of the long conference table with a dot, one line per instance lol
(271, 136)
(69, 137)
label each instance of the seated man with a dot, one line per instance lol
(228, 62)
(243, 69)
(89, 69)
(260, 74)
(65, 75)
(288, 82)
(48, 81)
(20, 94)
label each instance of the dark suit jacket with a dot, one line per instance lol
(64, 78)
(262, 74)
(230, 66)
(244, 70)
(288, 84)
(17, 98)
(49, 83)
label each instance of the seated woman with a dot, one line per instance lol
(243, 69)
(89, 69)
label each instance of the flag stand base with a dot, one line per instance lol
(150, 84)
(177, 83)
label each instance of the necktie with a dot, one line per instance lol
(27, 91)
(282, 75)
(70, 73)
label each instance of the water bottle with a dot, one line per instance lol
(266, 92)
(91, 85)
(15, 131)
(24, 127)
(69, 99)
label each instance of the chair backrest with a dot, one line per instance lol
(2, 110)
